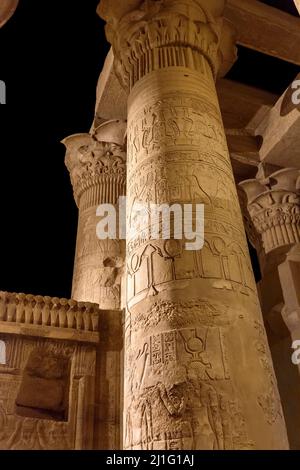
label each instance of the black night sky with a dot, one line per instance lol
(51, 54)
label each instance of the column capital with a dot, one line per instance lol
(289, 278)
(274, 207)
(154, 34)
(92, 158)
(253, 236)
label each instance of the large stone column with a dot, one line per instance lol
(198, 373)
(97, 165)
(273, 214)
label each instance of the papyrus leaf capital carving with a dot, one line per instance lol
(93, 159)
(274, 207)
(150, 35)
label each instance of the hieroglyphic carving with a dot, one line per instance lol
(269, 400)
(193, 415)
(183, 389)
(193, 402)
(18, 432)
(156, 264)
(274, 207)
(200, 349)
(179, 122)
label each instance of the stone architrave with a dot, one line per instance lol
(198, 372)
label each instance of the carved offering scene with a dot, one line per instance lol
(150, 235)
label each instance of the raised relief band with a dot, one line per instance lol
(163, 34)
(190, 314)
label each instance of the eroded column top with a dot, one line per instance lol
(147, 34)
(90, 157)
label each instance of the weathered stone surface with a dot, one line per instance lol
(274, 206)
(280, 131)
(97, 165)
(197, 371)
(30, 315)
(45, 404)
(193, 324)
(272, 214)
(266, 29)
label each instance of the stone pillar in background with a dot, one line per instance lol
(97, 165)
(273, 212)
(289, 273)
(198, 373)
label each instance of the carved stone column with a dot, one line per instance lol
(272, 211)
(273, 215)
(274, 208)
(289, 273)
(198, 373)
(97, 165)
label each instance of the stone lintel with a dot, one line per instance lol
(258, 26)
(265, 29)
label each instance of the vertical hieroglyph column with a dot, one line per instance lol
(198, 373)
(97, 165)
